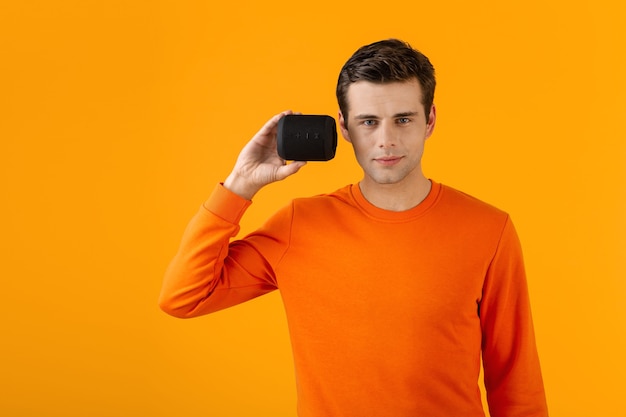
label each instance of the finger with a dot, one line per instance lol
(271, 124)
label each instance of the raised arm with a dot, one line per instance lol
(209, 272)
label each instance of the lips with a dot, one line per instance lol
(388, 160)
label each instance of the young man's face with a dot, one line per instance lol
(387, 127)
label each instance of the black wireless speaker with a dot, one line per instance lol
(305, 137)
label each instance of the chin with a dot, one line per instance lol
(389, 177)
(386, 180)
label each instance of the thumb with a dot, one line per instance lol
(289, 169)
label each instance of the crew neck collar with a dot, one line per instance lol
(389, 215)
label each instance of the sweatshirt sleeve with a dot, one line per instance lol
(209, 272)
(512, 372)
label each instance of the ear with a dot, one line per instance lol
(432, 118)
(343, 126)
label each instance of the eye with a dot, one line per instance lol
(403, 120)
(369, 122)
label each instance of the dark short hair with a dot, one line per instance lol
(387, 61)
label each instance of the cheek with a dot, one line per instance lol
(360, 151)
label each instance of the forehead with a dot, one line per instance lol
(365, 97)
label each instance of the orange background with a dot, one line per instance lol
(117, 118)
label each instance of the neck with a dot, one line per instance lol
(395, 197)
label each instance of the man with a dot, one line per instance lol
(393, 287)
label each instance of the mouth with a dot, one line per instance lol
(388, 160)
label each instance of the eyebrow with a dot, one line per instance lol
(372, 116)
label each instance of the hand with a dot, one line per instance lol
(258, 163)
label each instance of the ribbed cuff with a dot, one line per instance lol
(226, 204)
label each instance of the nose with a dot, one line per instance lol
(386, 136)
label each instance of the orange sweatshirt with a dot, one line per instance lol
(388, 312)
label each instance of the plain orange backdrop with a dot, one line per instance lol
(118, 117)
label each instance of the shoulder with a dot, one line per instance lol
(342, 196)
(463, 211)
(323, 206)
(455, 199)
(336, 199)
